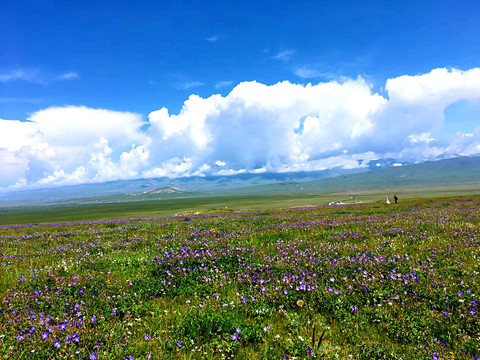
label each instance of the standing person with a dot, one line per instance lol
(395, 198)
(388, 201)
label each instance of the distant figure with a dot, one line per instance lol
(388, 201)
(395, 198)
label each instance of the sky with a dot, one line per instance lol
(100, 90)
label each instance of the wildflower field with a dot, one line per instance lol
(364, 281)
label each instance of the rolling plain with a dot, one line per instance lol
(360, 281)
(319, 269)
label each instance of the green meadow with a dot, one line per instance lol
(249, 199)
(354, 281)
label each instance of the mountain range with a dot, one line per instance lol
(379, 174)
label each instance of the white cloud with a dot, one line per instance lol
(82, 126)
(230, 172)
(7, 100)
(284, 55)
(69, 145)
(259, 171)
(190, 84)
(16, 134)
(307, 73)
(174, 167)
(416, 104)
(212, 38)
(68, 76)
(255, 128)
(20, 74)
(222, 84)
(59, 177)
(439, 87)
(418, 138)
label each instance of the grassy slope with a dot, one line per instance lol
(395, 330)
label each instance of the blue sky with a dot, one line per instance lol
(139, 57)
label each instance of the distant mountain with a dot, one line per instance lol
(123, 190)
(163, 190)
(166, 192)
(379, 174)
(448, 172)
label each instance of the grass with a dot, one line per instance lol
(240, 200)
(377, 281)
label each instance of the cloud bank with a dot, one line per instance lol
(255, 128)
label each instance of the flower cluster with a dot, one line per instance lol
(223, 284)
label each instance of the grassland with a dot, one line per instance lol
(450, 177)
(249, 199)
(363, 281)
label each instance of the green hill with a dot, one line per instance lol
(449, 172)
(461, 172)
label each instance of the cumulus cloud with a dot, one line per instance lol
(256, 128)
(416, 104)
(71, 145)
